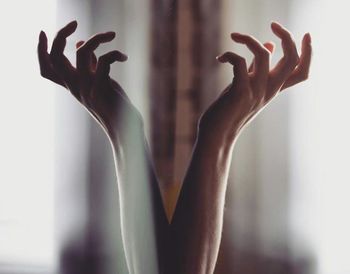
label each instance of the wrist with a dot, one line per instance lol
(217, 138)
(215, 145)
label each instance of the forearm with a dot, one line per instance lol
(197, 222)
(143, 220)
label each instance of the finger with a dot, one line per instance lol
(261, 55)
(46, 69)
(85, 52)
(105, 61)
(79, 44)
(290, 58)
(60, 62)
(301, 73)
(238, 62)
(59, 42)
(94, 58)
(270, 46)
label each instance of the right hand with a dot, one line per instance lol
(253, 89)
(89, 82)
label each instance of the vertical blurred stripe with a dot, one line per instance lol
(320, 137)
(26, 141)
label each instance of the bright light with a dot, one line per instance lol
(26, 141)
(321, 137)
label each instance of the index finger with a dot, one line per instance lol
(59, 42)
(301, 73)
(289, 61)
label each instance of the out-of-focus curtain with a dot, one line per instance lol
(256, 236)
(172, 75)
(89, 237)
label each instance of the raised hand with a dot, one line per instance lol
(89, 81)
(252, 89)
(198, 218)
(105, 100)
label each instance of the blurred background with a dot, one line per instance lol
(287, 203)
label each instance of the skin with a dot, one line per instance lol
(191, 243)
(108, 104)
(198, 219)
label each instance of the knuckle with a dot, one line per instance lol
(239, 60)
(104, 59)
(60, 35)
(55, 58)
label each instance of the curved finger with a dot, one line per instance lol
(105, 61)
(60, 62)
(59, 42)
(270, 46)
(261, 54)
(79, 44)
(85, 51)
(94, 58)
(238, 62)
(46, 69)
(290, 58)
(301, 73)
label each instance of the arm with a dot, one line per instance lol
(198, 219)
(143, 220)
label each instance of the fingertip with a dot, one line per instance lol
(276, 28)
(275, 25)
(307, 38)
(74, 24)
(79, 44)
(221, 58)
(119, 56)
(42, 41)
(235, 35)
(110, 34)
(270, 46)
(42, 35)
(124, 57)
(70, 28)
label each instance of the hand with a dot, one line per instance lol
(89, 82)
(252, 89)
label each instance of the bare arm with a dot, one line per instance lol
(143, 220)
(197, 222)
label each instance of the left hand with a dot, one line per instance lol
(252, 89)
(89, 81)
